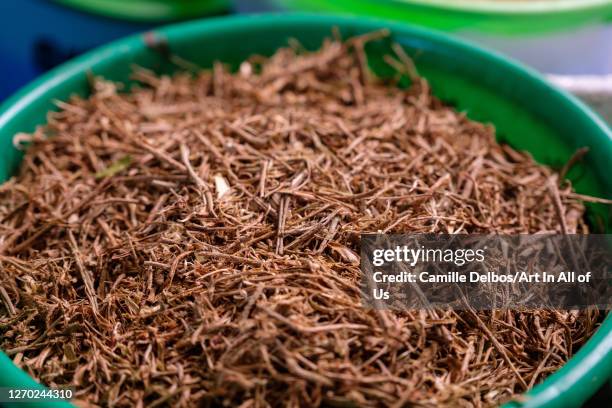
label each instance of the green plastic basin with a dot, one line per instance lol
(490, 16)
(528, 113)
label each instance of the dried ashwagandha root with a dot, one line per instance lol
(195, 241)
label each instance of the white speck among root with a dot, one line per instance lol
(221, 185)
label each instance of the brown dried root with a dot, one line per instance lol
(195, 241)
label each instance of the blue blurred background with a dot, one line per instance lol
(36, 35)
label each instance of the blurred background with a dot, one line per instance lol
(568, 40)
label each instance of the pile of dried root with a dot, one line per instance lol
(195, 241)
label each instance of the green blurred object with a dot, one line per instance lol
(527, 112)
(510, 17)
(150, 10)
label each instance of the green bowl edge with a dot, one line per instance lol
(461, 15)
(148, 11)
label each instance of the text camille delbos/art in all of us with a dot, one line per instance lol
(485, 272)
